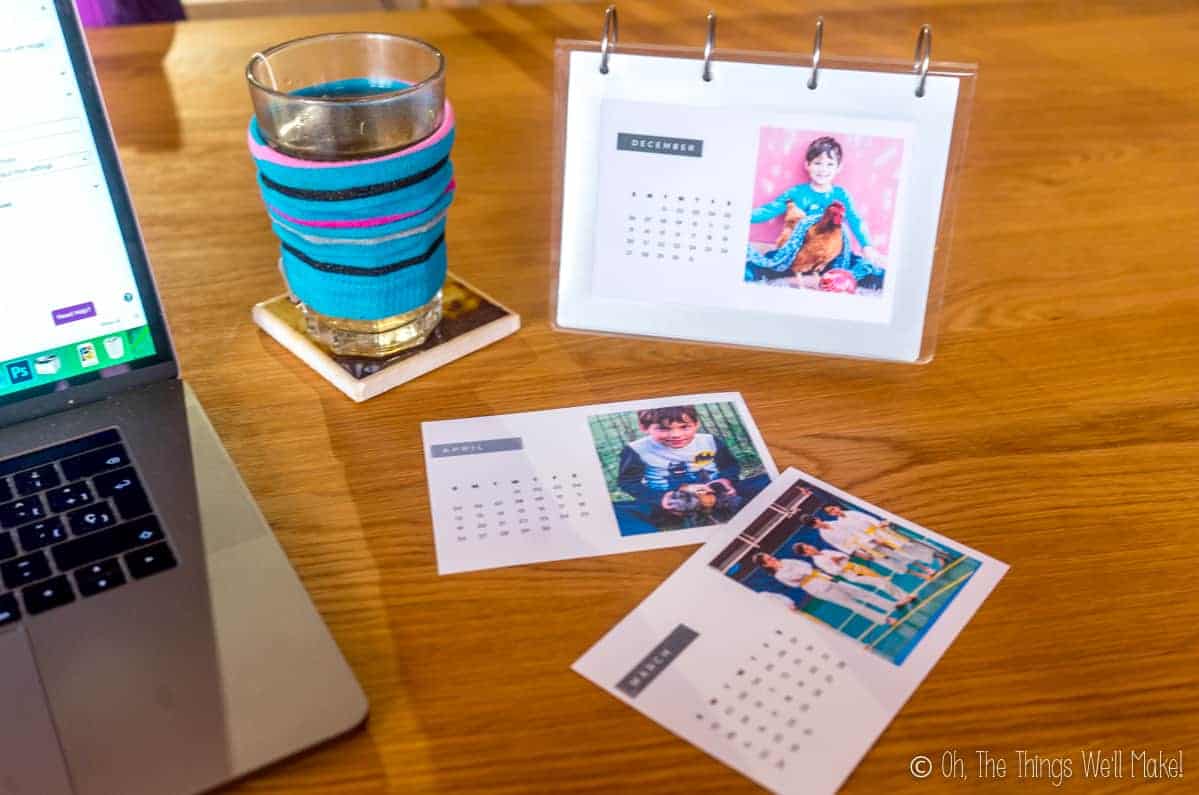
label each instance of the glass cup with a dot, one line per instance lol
(347, 96)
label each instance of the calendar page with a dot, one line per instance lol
(590, 480)
(685, 208)
(790, 640)
(751, 209)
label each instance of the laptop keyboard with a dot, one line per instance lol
(74, 522)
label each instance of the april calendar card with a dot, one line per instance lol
(752, 209)
(790, 640)
(590, 480)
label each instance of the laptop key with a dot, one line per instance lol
(21, 511)
(88, 464)
(41, 534)
(5, 491)
(125, 490)
(99, 577)
(91, 519)
(8, 548)
(70, 496)
(142, 531)
(106, 543)
(133, 503)
(150, 560)
(10, 611)
(47, 595)
(22, 571)
(110, 484)
(35, 480)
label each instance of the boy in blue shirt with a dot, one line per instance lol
(678, 474)
(810, 199)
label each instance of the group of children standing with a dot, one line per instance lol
(831, 560)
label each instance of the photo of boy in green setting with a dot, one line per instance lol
(671, 468)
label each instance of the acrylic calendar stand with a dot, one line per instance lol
(664, 154)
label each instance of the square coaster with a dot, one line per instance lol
(471, 320)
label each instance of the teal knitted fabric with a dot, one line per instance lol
(349, 294)
(361, 239)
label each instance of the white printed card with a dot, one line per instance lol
(790, 640)
(590, 480)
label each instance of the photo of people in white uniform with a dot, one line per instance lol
(878, 582)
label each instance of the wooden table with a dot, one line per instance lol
(1055, 430)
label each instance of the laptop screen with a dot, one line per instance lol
(71, 306)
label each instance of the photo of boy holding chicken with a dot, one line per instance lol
(821, 221)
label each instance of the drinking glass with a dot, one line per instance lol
(343, 97)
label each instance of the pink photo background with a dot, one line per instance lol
(869, 173)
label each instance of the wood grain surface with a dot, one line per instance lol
(1056, 429)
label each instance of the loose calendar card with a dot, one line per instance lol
(590, 480)
(751, 208)
(790, 640)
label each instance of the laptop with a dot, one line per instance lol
(153, 636)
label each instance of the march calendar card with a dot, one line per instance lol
(790, 640)
(590, 480)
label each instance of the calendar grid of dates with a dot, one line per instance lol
(676, 227)
(516, 507)
(766, 707)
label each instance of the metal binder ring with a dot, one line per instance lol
(709, 45)
(924, 51)
(608, 40)
(817, 45)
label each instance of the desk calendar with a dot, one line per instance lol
(790, 640)
(752, 208)
(590, 480)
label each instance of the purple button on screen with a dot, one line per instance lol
(69, 314)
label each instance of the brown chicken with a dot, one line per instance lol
(822, 242)
(790, 221)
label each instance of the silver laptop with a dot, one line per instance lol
(153, 637)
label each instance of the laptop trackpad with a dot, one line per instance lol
(30, 760)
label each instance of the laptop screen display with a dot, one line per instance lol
(70, 304)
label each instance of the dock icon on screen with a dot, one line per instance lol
(87, 355)
(114, 347)
(19, 372)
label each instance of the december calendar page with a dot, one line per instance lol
(590, 480)
(790, 640)
(750, 209)
(713, 204)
